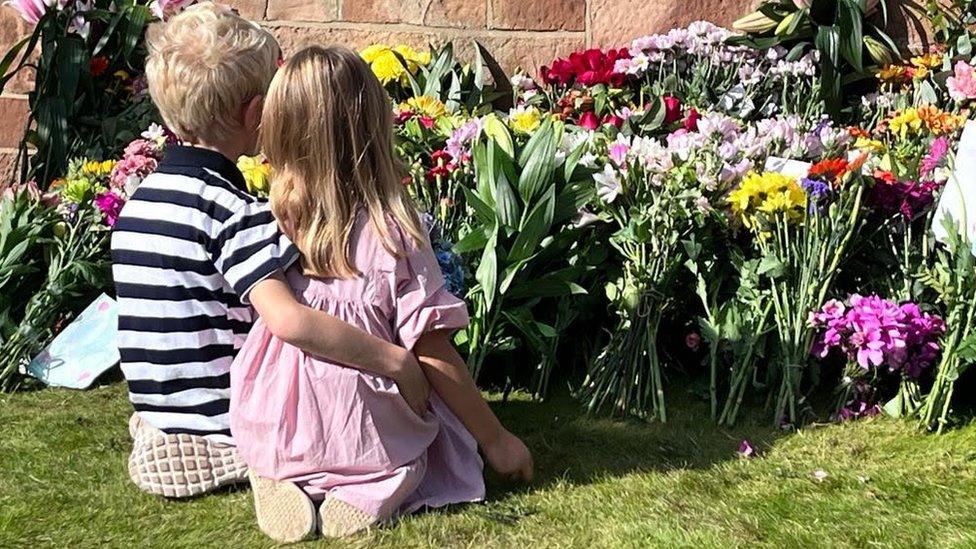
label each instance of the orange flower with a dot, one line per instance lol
(940, 122)
(831, 169)
(858, 133)
(896, 74)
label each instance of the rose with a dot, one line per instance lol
(589, 120)
(962, 84)
(672, 109)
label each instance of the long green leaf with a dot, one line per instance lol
(850, 21)
(535, 227)
(487, 273)
(538, 161)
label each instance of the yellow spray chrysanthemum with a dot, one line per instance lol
(257, 174)
(524, 119)
(387, 67)
(913, 121)
(94, 168)
(760, 198)
(424, 105)
(870, 145)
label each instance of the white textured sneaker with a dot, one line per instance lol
(284, 512)
(180, 465)
(339, 519)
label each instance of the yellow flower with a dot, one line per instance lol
(928, 61)
(913, 120)
(94, 168)
(760, 198)
(387, 67)
(871, 145)
(257, 174)
(424, 105)
(524, 119)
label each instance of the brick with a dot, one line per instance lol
(302, 10)
(539, 14)
(8, 168)
(251, 9)
(616, 22)
(12, 29)
(439, 13)
(510, 50)
(13, 112)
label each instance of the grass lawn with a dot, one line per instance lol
(600, 483)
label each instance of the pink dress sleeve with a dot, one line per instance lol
(423, 303)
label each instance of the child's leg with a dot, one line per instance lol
(180, 465)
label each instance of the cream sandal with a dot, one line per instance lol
(283, 510)
(339, 519)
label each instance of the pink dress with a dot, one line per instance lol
(339, 431)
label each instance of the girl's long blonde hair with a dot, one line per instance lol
(327, 130)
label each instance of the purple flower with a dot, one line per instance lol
(746, 449)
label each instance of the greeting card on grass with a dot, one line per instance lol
(84, 350)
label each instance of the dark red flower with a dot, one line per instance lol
(614, 120)
(589, 120)
(440, 171)
(403, 116)
(587, 68)
(672, 109)
(691, 123)
(98, 65)
(437, 156)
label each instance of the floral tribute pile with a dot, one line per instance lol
(680, 206)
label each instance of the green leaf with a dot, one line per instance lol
(503, 84)
(72, 58)
(483, 211)
(117, 18)
(497, 130)
(538, 161)
(850, 22)
(473, 241)
(487, 273)
(771, 267)
(506, 203)
(535, 227)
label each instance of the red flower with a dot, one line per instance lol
(427, 122)
(589, 120)
(613, 119)
(831, 169)
(440, 171)
(587, 68)
(437, 156)
(691, 123)
(885, 176)
(98, 65)
(403, 116)
(672, 109)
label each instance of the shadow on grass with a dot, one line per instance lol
(570, 446)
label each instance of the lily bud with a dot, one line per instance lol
(880, 53)
(755, 23)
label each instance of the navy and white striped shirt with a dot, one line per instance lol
(187, 246)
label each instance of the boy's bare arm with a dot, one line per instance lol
(449, 376)
(321, 334)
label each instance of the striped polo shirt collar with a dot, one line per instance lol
(177, 159)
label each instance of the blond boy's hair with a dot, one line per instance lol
(327, 131)
(204, 65)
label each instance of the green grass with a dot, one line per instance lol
(600, 483)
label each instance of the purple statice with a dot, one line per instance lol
(818, 194)
(874, 332)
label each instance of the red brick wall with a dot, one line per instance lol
(526, 33)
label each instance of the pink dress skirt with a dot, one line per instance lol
(349, 434)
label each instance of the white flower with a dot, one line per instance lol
(155, 132)
(588, 160)
(607, 184)
(585, 218)
(522, 82)
(820, 475)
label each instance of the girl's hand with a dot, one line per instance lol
(413, 384)
(509, 457)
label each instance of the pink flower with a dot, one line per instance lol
(110, 204)
(746, 449)
(32, 10)
(672, 109)
(427, 122)
(962, 85)
(163, 9)
(129, 172)
(693, 341)
(618, 152)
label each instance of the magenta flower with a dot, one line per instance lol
(110, 204)
(746, 449)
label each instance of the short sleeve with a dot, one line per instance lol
(423, 302)
(249, 247)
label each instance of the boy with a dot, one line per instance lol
(191, 250)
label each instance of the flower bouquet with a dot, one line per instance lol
(802, 232)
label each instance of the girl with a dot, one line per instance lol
(314, 430)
